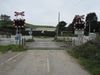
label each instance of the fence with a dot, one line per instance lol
(74, 41)
(9, 41)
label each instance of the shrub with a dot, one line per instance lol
(87, 50)
(89, 56)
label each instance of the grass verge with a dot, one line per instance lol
(88, 55)
(13, 48)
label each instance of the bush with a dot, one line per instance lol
(89, 56)
(87, 50)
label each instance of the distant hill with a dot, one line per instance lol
(36, 26)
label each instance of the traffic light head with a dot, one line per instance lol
(79, 25)
(19, 23)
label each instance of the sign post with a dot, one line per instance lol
(30, 33)
(79, 27)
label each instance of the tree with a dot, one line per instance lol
(5, 20)
(71, 28)
(91, 17)
(5, 23)
(98, 26)
(5, 17)
(61, 26)
(71, 25)
(91, 22)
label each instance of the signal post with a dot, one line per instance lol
(19, 24)
(79, 27)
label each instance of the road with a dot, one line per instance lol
(43, 62)
(45, 43)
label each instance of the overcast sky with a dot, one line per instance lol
(45, 12)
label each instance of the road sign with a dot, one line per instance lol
(30, 31)
(92, 36)
(79, 22)
(19, 13)
(79, 32)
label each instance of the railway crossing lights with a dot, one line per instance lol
(18, 24)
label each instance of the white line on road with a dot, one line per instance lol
(10, 58)
(48, 64)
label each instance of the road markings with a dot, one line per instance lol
(48, 64)
(11, 58)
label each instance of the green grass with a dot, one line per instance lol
(13, 48)
(88, 55)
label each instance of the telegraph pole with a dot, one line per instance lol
(57, 24)
(58, 17)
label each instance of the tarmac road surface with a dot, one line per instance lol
(43, 62)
